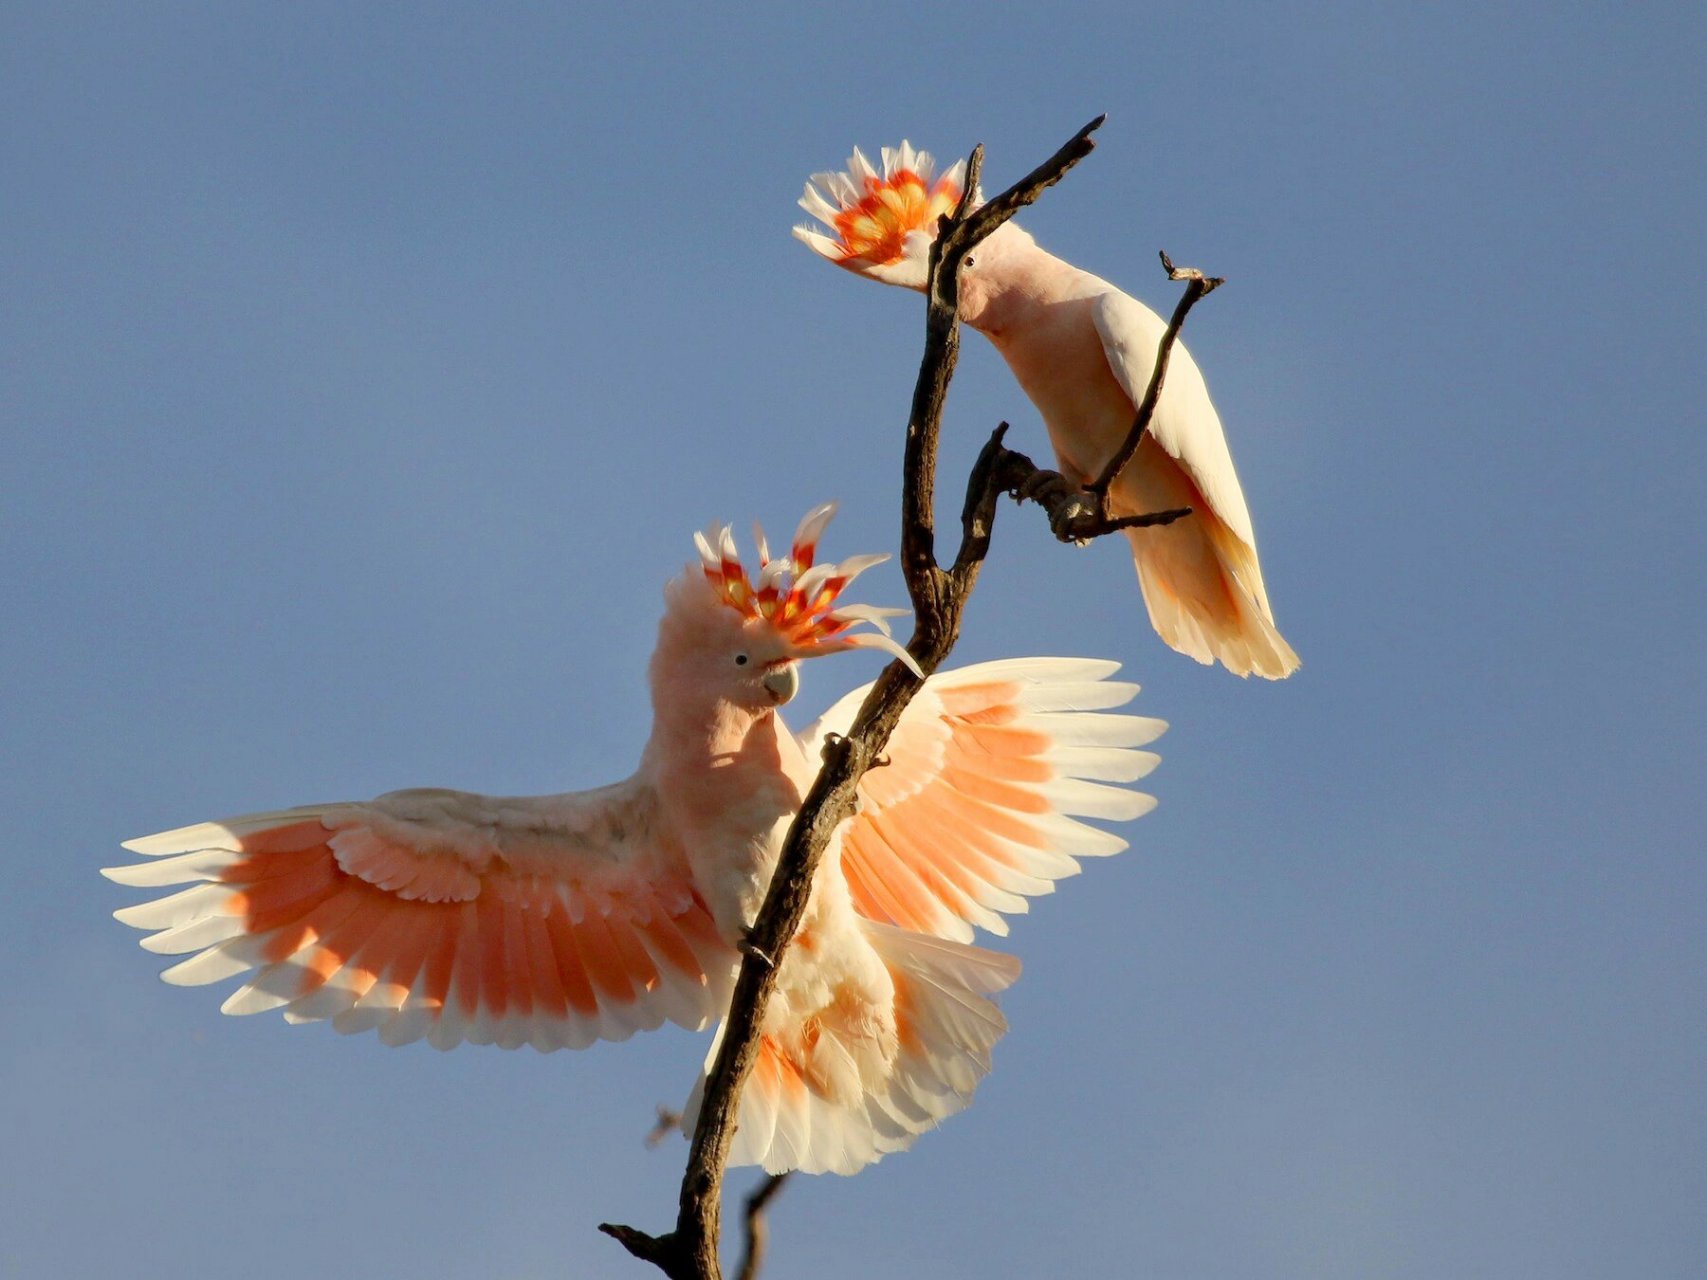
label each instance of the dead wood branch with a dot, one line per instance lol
(758, 1231)
(1078, 513)
(690, 1250)
(1197, 284)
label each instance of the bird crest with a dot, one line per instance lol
(795, 594)
(871, 215)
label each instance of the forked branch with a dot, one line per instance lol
(1078, 513)
(690, 1250)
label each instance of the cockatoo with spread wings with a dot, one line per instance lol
(559, 920)
(1083, 351)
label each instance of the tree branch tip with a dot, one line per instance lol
(974, 174)
(1191, 274)
(648, 1248)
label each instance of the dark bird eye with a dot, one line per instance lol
(971, 261)
(740, 659)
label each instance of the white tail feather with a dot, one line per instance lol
(945, 1027)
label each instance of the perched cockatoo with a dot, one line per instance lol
(1083, 352)
(559, 920)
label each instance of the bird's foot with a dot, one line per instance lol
(1069, 519)
(1072, 509)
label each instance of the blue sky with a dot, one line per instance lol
(368, 368)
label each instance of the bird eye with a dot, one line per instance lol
(740, 659)
(971, 261)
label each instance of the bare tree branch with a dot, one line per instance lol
(690, 1250)
(758, 1233)
(1079, 513)
(995, 212)
(1073, 512)
(1197, 285)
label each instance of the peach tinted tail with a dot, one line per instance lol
(1199, 606)
(1201, 581)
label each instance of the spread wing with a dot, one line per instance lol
(551, 921)
(988, 770)
(1186, 424)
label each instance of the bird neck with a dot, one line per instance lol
(709, 749)
(728, 786)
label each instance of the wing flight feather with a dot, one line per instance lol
(440, 915)
(989, 771)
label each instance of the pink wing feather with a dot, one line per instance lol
(441, 914)
(975, 810)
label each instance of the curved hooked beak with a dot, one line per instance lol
(782, 680)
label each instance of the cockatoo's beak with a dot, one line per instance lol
(782, 681)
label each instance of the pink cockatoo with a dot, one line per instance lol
(1083, 352)
(559, 920)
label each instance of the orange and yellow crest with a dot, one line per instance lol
(796, 595)
(871, 215)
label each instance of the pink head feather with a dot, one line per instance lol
(870, 215)
(796, 595)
